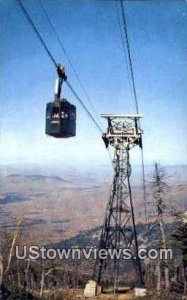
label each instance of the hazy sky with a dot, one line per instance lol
(90, 33)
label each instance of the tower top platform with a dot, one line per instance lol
(123, 130)
(113, 116)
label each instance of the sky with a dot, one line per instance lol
(89, 31)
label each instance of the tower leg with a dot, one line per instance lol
(119, 230)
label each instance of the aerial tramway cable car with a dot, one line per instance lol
(60, 114)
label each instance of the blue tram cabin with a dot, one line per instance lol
(60, 119)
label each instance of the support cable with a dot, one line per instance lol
(84, 106)
(124, 50)
(129, 55)
(135, 95)
(74, 70)
(66, 55)
(20, 3)
(144, 186)
(55, 63)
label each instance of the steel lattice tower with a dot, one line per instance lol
(119, 230)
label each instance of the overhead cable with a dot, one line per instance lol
(20, 3)
(66, 55)
(124, 50)
(134, 91)
(129, 54)
(84, 106)
(55, 63)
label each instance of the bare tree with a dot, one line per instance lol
(17, 231)
(179, 237)
(1, 270)
(4, 270)
(160, 190)
(45, 274)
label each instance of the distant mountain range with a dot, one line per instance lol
(60, 203)
(59, 170)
